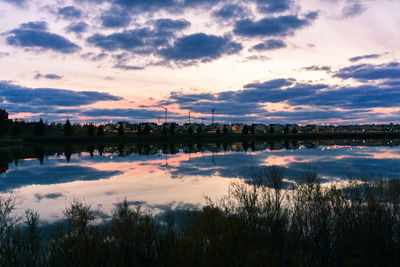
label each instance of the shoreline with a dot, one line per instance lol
(195, 138)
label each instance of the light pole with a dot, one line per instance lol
(212, 111)
(189, 116)
(166, 111)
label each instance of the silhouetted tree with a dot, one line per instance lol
(39, 153)
(245, 129)
(225, 131)
(199, 130)
(100, 130)
(252, 129)
(91, 150)
(286, 130)
(121, 130)
(218, 131)
(15, 129)
(172, 129)
(139, 130)
(294, 130)
(146, 130)
(2, 127)
(90, 131)
(271, 129)
(164, 130)
(190, 130)
(68, 128)
(39, 128)
(68, 152)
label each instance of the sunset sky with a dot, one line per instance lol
(254, 61)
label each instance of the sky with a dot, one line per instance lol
(254, 61)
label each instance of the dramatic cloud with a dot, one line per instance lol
(50, 97)
(318, 68)
(34, 25)
(352, 10)
(132, 114)
(36, 175)
(69, 13)
(115, 18)
(50, 76)
(272, 44)
(19, 3)
(313, 102)
(77, 27)
(35, 35)
(200, 46)
(275, 26)
(93, 56)
(273, 6)
(146, 40)
(371, 72)
(170, 25)
(358, 58)
(231, 11)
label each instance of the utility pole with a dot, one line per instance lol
(212, 111)
(158, 119)
(166, 111)
(189, 116)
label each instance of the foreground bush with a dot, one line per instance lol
(255, 224)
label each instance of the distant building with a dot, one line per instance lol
(237, 128)
(3, 115)
(153, 127)
(276, 128)
(259, 128)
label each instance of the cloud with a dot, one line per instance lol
(311, 101)
(127, 67)
(200, 46)
(77, 27)
(358, 58)
(34, 25)
(231, 11)
(19, 3)
(271, 44)
(273, 6)
(42, 97)
(50, 76)
(69, 13)
(37, 175)
(170, 25)
(39, 197)
(35, 35)
(271, 26)
(4, 54)
(352, 10)
(115, 18)
(127, 40)
(145, 40)
(318, 68)
(370, 72)
(93, 56)
(132, 114)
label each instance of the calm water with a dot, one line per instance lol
(174, 176)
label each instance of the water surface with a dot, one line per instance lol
(165, 176)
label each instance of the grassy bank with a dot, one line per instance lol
(255, 224)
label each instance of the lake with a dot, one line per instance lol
(175, 176)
